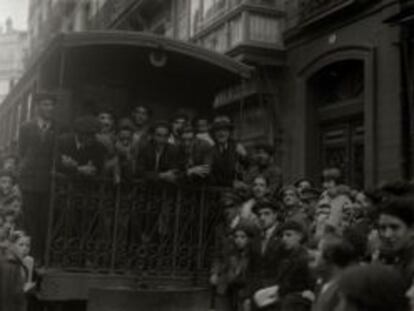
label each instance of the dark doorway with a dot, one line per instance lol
(336, 94)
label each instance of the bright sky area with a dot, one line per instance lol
(17, 10)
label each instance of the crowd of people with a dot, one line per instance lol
(279, 246)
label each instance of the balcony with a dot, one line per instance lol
(305, 12)
(109, 13)
(240, 27)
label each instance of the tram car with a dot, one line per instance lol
(129, 234)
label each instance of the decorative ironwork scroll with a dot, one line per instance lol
(142, 228)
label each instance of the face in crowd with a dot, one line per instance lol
(290, 198)
(161, 135)
(267, 218)
(6, 184)
(222, 136)
(107, 122)
(262, 157)
(260, 187)
(303, 185)
(21, 246)
(178, 125)
(10, 164)
(187, 139)
(241, 239)
(393, 232)
(45, 108)
(291, 238)
(125, 137)
(140, 115)
(202, 126)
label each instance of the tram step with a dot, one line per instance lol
(162, 299)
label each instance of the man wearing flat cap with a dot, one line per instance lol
(36, 147)
(79, 153)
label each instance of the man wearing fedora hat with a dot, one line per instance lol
(36, 147)
(228, 155)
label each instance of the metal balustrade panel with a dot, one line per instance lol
(148, 229)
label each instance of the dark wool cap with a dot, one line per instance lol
(332, 174)
(126, 124)
(87, 125)
(268, 148)
(40, 96)
(188, 129)
(294, 226)
(311, 193)
(401, 208)
(286, 188)
(266, 204)
(222, 125)
(161, 124)
(229, 199)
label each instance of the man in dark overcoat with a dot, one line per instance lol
(36, 146)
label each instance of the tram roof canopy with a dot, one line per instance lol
(138, 58)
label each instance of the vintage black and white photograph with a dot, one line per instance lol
(206, 155)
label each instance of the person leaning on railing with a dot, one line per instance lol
(159, 160)
(79, 153)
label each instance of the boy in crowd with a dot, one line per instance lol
(141, 117)
(202, 128)
(395, 228)
(10, 196)
(178, 123)
(124, 150)
(10, 163)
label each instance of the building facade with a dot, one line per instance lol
(344, 107)
(13, 49)
(328, 85)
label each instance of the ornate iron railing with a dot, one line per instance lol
(140, 227)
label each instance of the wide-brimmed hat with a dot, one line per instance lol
(87, 125)
(222, 125)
